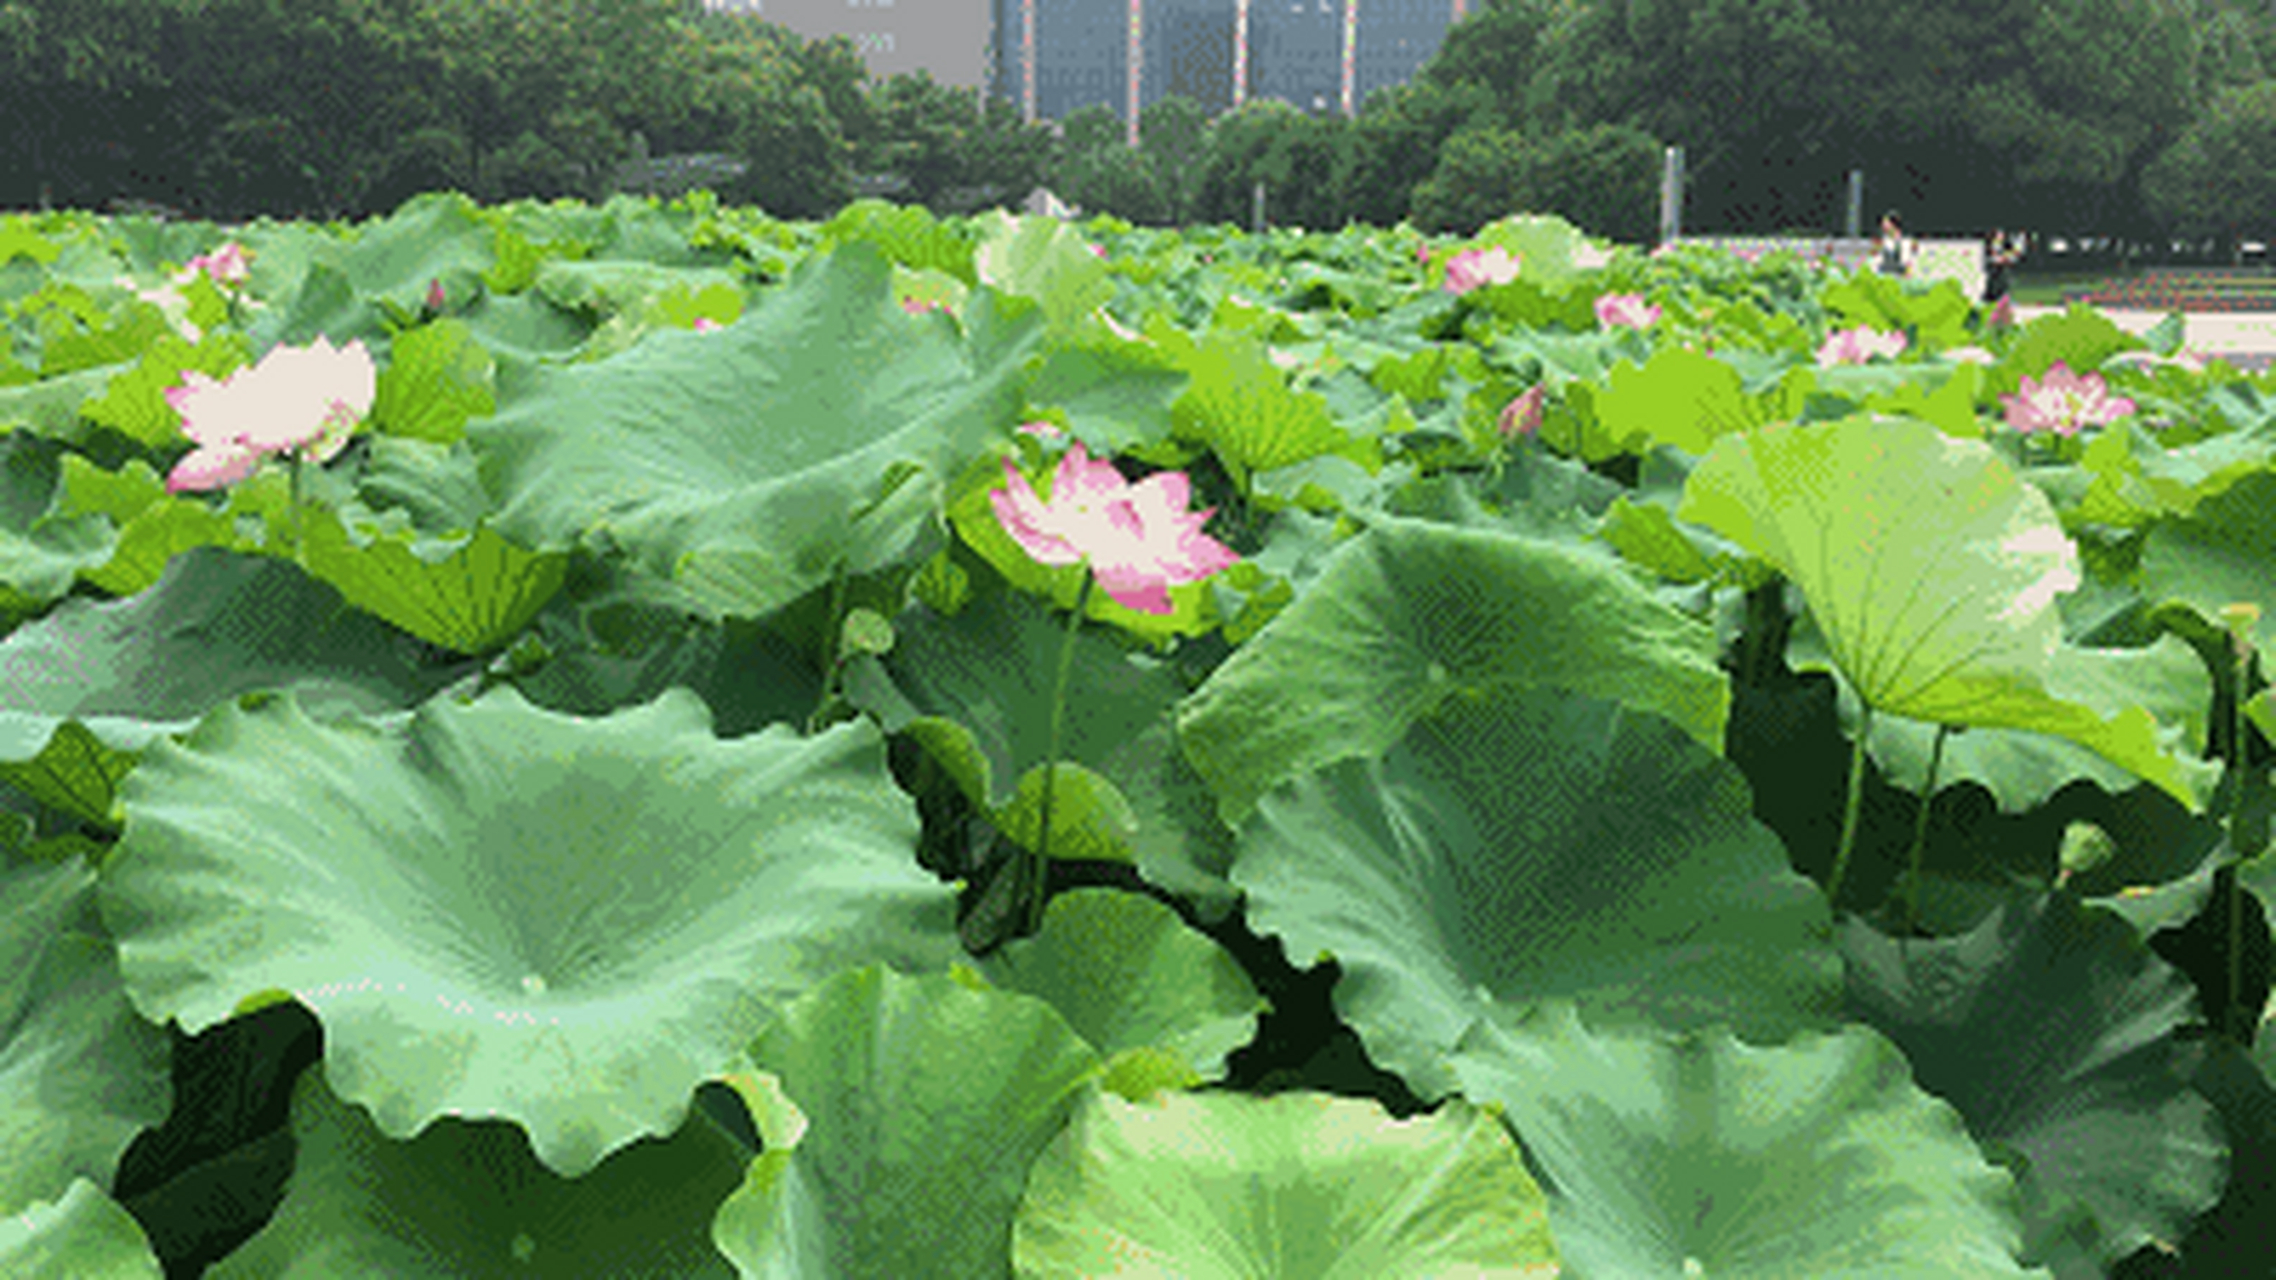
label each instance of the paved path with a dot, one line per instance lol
(2247, 338)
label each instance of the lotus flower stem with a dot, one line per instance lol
(1920, 827)
(1039, 873)
(292, 470)
(830, 639)
(1849, 811)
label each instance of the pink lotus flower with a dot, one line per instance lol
(2003, 314)
(299, 399)
(1614, 309)
(1422, 253)
(1475, 267)
(436, 298)
(1139, 539)
(917, 308)
(705, 324)
(227, 265)
(2062, 402)
(1588, 258)
(1043, 430)
(1858, 345)
(1522, 415)
(1098, 250)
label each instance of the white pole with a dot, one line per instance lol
(1240, 52)
(1671, 195)
(1854, 227)
(1137, 62)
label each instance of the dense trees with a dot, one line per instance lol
(2104, 115)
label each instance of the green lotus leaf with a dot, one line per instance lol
(990, 671)
(468, 594)
(921, 1105)
(217, 625)
(1301, 1186)
(750, 461)
(152, 525)
(1410, 616)
(502, 911)
(1682, 398)
(80, 1074)
(2059, 1037)
(1931, 573)
(1241, 406)
(41, 550)
(1044, 259)
(83, 1236)
(1532, 847)
(2218, 555)
(134, 404)
(1697, 1155)
(437, 377)
(466, 1198)
(1128, 976)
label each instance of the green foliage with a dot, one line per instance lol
(2215, 177)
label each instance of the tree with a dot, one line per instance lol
(1397, 138)
(954, 151)
(2216, 177)
(1497, 48)
(1174, 134)
(1480, 177)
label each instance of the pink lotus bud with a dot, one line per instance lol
(436, 299)
(1522, 415)
(705, 324)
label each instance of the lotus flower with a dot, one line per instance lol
(2062, 402)
(917, 308)
(2003, 314)
(1041, 430)
(1139, 539)
(1858, 345)
(1475, 267)
(301, 399)
(436, 298)
(1422, 253)
(227, 265)
(1522, 415)
(1588, 258)
(1614, 309)
(705, 324)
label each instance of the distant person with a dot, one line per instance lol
(2001, 252)
(1895, 253)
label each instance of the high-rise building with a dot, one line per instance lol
(1053, 56)
(1050, 57)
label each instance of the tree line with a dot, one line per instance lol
(2137, 118)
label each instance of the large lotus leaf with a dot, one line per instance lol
(80, 1074)
(1697, 1155)
(1931, 573)
(2079, 336)
(758, 459)
(153, 526)
(2057, 1035)
(1410, 616)
(1530, 847)
(41, 549)
(1113, 394)
(989, 673)
(1242, 407)
(2023, 770)
(501, 911)
(83, 1236)
(468, 594)
(466, 1200)
(439, 487)
(215, 626)
(1044, 259)
(1298, 1187)
(925, 1104)
(1136, 983)
(1681, 398)
(1937, 316)
(2220, 554)
(437, 378)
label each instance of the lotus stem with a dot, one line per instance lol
(1920, 828)
(1850, 810)
(1039, 874)
(830, 639)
